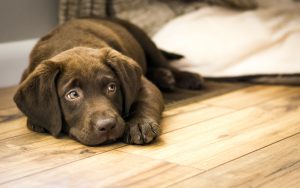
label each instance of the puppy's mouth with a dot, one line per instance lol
(108, 142)
(94, 139)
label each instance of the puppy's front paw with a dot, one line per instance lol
(188, 80)
(141, 131)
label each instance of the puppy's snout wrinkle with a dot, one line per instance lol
(105, 125)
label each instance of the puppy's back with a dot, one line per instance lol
(93, 33)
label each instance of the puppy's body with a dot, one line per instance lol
(92, 33)
(86, 78)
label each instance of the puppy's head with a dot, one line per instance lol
(85, 92)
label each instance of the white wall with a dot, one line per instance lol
(13, 60)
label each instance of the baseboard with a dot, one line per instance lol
(14, 58)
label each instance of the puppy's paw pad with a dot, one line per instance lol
(141, 131)
(189, 80)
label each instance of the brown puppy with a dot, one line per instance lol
(86, 78)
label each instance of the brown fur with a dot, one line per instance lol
(87, 78)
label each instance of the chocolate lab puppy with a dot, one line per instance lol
(87, 78)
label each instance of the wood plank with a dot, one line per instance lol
(7, 97)
(13, 128)
(277, 165)
(110, 169)
(250, 96)
(23, 143)
(41, 152)
(9, 114)
(217, 141)
(196, 105)
(209, 90)
(185, 116)
(287, 180)
(21, 147)
(198, 138)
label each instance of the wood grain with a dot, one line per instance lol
(246, 138)
(7, 97)
(249, 96)
(213, 142)
(13, 128)
(111, 169)
(277, 165)
(182, 117)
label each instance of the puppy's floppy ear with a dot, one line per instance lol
(128, 72)
(37, 98)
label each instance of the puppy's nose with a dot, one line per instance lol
(105, 125)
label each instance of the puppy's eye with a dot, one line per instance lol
(111, 88)
(72, 95)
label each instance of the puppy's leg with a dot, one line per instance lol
(163, 78)
(187, 80)
(142, 126)
(171, 55)
(166, 79)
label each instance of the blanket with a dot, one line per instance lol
(150, 15)
(225, 43)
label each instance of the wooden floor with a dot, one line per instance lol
(245, 138)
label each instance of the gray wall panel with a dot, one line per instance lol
(25, 19)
